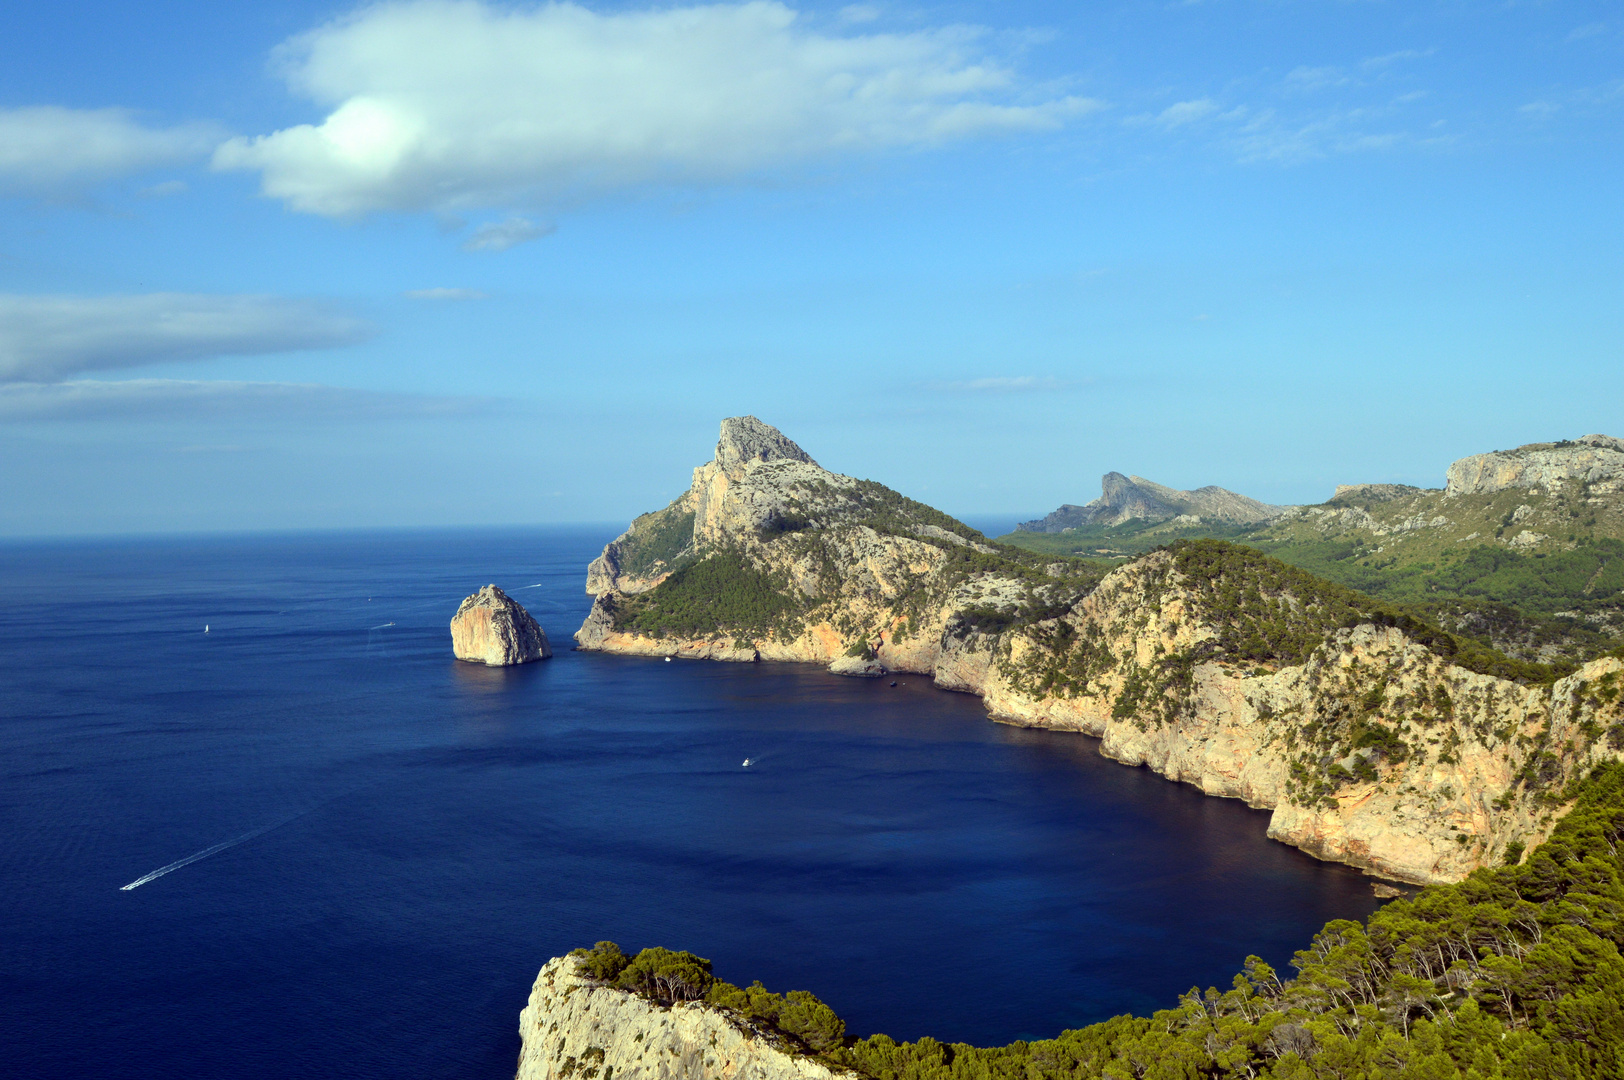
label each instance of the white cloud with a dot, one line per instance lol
(54, 152)
(1187, 112)
(49, 338)
(168, 399)
(446, 294)
(501, 235)
(453, 104)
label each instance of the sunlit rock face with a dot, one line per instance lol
(1592, 459)
(492, 628)
(575, 1028)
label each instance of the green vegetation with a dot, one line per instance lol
(1513, 974)
(667, 977)
(657, 542)
(721, 593)
(1445, 560)
(1133, 537)
(1266, 613)
(730, 592)
(1267, 610)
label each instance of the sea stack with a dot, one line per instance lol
(492, 628)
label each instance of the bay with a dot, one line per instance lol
(400, 840)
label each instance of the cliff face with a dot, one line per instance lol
(573, 1029)
(1592, 459)
(1373, 750)
(490, 627)
(1130, 498)
(1223, 670)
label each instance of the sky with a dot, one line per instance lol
(450, 262)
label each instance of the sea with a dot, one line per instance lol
(350, 853)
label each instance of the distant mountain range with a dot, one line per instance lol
(1131, 498)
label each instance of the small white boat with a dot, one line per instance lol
(746, 763)
(668, 659)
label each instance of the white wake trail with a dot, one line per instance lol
(205, 853)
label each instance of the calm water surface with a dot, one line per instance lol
(434, 831)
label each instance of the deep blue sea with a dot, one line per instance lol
(417, 836)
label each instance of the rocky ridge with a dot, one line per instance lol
(576, 1029)
(1596, 461)
(1373, 741)
(1133, 498)
(490, 627)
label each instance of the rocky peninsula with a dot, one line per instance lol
(1376, 739)
(490, 627)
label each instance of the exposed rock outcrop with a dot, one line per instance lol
(574, 1029)
(492, 628)
(1592, 459)
(1130, 498)
(1371, 746)
(1375, 492)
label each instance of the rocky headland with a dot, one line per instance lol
(490, 627)
(1377, 739)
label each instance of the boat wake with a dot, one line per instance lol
(205, 853)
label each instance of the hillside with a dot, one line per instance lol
(1522, 549)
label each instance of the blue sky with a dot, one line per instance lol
(440, 263)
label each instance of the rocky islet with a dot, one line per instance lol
(492, 628)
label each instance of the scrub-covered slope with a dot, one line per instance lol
(1522, 549)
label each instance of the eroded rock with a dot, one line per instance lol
(490, 627)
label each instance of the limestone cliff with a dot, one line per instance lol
(1591, 459)
(576, 1029)
(1377, 740)
(492, 628)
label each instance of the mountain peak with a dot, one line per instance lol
(746, 439)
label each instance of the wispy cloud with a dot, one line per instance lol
(50, 338)
(1316, 78)
(166, 190)
(1002, 384)
(501, 235)
(1388, 59)
(445, 106)
(446, 294)
(172, 399)
(55, 153)
(1589, 30)
(1187, 112)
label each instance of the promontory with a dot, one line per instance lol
(1376, 737)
